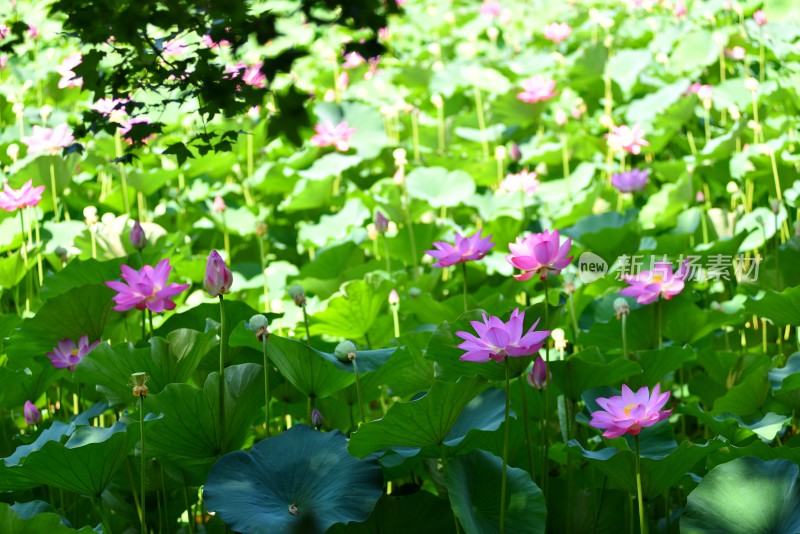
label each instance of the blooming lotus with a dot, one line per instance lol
(252, 75)
(25, 197)
(539, 254)
(524, 180)
(626, 138)
(630, 181)
(496, 339)
(48, 140)
(647, 286)
(353, 60)
(537, 89)
(330, 135)
(68, 77)
(629, 413)
(465, 249)
(113, 108)
(67, 355)
(557, 32)
(146, 288)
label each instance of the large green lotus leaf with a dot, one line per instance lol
(484, 413)
(781, 308)
(785, 382)
(443, 349)
(695, 50)
(626, 65)
(659, 471)
(352, 313)
(421, 512)
(439, 187)
(745, 496)
(425, 422)
(473, 485)
(688, 323)
(78, 273)
(370, 135)
(85, 464)
(609, 235)
(332, 228)
(588, 370)
(308, 195)
(408, 372)
(187, 433)
(299, 481)
(657, 364)
(166, 361)
(662, 207)
(12, 270)
(747, 397)
(11, 523)
(14, 387)
(79, 311)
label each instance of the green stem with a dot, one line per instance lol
(223, 350)
(464, 271)
(624, 319)
(144, 325)
(267, 398)
(545, 432)
(527, 426)
(642, 513)
(761, 56)
(658, 321)
(263, 257)
(24, 249)
(305, 321)
(189, 511)
(415, 135)
(358, 392)
(481, 122)
(505, 451)
(565, 164)
(386, 253)
(53, 188)
(150, 320)
(396, 321)
(142, 474)
(123, 175)
(103, 515)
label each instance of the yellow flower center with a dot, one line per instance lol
(627, 409)
(74, 352)
(657, 279)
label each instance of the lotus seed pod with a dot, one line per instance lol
(621, 307)
(259, 325)
(297, 293)
(345, 351)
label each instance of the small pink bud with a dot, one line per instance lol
(394, 298)
(219, 204)
(514, 153)
(32, 414)
(137, 237)
(538, 376)
(381, 222)
(218, 278)
(760, 17)
(316, 418)
(561, 117)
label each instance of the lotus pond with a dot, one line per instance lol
(300, 266)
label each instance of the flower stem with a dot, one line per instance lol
(761, 55)
(464, 271)
(264, 340)
(545, 434)
(658, 323)
(53, 188)
(223, 349)
(396, 320)
(263, 257)
(505, 451)
(24, 249)
(565, 164)
(358, 392)
(38, 256)
(142, 476)
(150, 319)
(415, 134)
(386, 253)
(526, 425)
(481, 122)
(103, 515)
(624, 320)
(305, 322)
(226, 238)
(123, 175)
(642, 512)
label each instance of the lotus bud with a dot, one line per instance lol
(45, 111)
(258, 324)
(316, 419)
(345, 351)
(137, 237)
(394, 298)
(437, 101)
(751, 84)
(734, 111)
(298, 295)
(732, 188)
(514, 154)
(776, 206)
(32, 414)
(400, 157)
(559, 339)
(219, 204)
(218, 278)
(139, 383)
(537, 378)
(381, 222)
(90, 215)
(261, 229)
(492, 33)
(13, 151)
(621, 307)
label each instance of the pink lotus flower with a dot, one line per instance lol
(146, 288)
(219, 204)
(631, 181)
(4, 31)
(647, 286)
(557, 32)
(524, 180)
(737, 53)
(113, 108)
(174, 48)
(48, 140)
(394, 298)
(126, 127)
(629, 413)
(3, 62)
(537, 89)
(702, 91)
(253, 76)
(210, 43)
(497, 339)
(67, 355)
(561, 117)
(353, 60)
(25, 197)
(490, 8)
(68, 77)
(679, 10)
(626, 138)
(32, 414)
(466, 249)
(760, 17)
(33, 32)
(539, 254)
(330, 135)
(218, 278)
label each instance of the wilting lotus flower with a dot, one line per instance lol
(497, 339)
(647, 286)
(557, 32)
(48, 140)
(67, 355)
(537, 89)
(524, 180)
(760, 17)
(539, 254)
(218, 278)
(146, 288)
(32, 414)
(466, 249)
(629, 413)
(25, 197)
(631, 181)
(626, 138)
(330, 135)
(68, 77)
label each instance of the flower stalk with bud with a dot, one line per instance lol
(344, 352)
(259, 325)
(218, 281)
